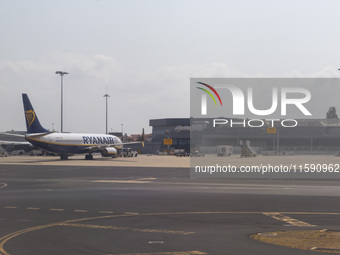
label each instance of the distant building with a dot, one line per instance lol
(118, 134)
(309, 136)
(177, 129)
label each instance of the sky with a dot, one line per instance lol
(144, 52)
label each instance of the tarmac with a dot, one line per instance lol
(170, 161)
(78, 160)
(149, 205)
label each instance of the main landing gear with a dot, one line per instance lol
(64, 156)
(89, 157)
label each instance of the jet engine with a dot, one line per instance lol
(109, 152)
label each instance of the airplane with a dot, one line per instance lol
(66, 144)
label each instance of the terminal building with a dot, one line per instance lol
(310, 136)
(177, 130)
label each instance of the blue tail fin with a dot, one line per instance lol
(32, 121)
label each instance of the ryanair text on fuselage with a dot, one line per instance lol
(98, 140)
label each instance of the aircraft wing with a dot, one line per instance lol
(17, 135)
(103, 147)
(30, 135)
(91, 149)
(4, 142)
(39, 134)
(142, 142)
(14, 143)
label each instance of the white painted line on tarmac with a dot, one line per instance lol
(58, 210)
(122, 181)
(165, 253)
(155, 242)
(131, 213)
(289, 220)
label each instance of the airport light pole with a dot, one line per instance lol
(122, 132)
(61, 73)
(106, 95)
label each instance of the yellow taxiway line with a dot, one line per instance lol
(276, 215)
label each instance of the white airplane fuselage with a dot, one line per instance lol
(75, 143)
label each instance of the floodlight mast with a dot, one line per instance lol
(61, 73)
(106, 95)
(122, 132)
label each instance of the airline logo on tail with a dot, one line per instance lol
(30, 117)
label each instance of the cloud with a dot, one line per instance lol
(135, 95)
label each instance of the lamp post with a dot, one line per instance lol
(106, 95)
(122, 132)
(61, 73)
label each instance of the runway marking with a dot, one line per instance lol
(291, 221)
(58, 210)
(10, 236)
(147, 230)
(131, 213)
(123, 181)
(147, 179)
(181, 213)
(82, 211)
(312, 213)
(6, 238)
(165, 253)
